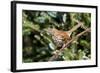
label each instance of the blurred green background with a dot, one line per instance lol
(38, 46)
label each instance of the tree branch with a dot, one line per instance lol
(55, 56)
(75, 27)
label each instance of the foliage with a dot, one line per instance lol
(38, 45)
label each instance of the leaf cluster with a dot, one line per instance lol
(38, 46)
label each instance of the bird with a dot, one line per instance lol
(61, 37)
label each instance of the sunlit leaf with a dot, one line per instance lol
(52, 14)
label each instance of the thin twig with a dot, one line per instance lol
(75, 27)
(55, 56)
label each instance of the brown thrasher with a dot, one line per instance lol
(61, 37)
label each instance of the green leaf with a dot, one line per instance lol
(40, 19)
(68, 55)
(52, 14)
(52, 46)
(85, 43)
(32, 26)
